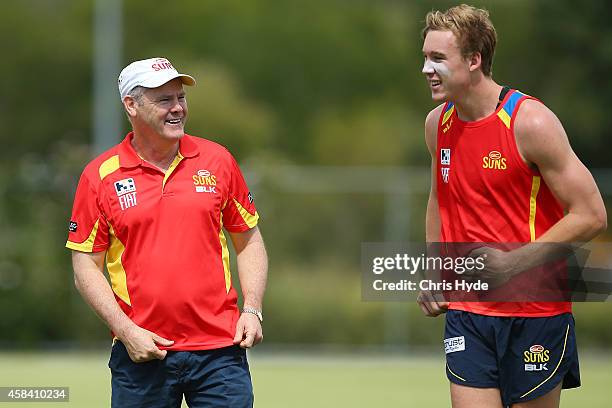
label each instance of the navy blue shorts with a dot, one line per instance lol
(210, 378)
(524, 357)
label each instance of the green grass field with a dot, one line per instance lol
(296, 381)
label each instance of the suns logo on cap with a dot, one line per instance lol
(160, 64)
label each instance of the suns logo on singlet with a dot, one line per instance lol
(494, 161)
(204, 182)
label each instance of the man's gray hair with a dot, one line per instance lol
(137, 93)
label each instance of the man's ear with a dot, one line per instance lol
(130, 105)
(475, 61)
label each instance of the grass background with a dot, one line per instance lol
(296, 379)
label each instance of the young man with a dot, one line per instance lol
(503, 171)
(155, 206)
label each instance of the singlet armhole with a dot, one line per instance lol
(516, 155)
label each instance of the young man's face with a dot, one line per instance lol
(446, 70)
(164, 110)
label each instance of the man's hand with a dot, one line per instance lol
(141, 344)
(248, 331)
(499, 266)
(431, 306)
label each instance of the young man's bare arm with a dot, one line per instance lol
(542, 141)
(543, 144)
(432, 217)
(426, 302)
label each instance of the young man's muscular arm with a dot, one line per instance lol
(543, 144)
(426, 302)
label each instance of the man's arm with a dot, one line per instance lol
(95, 290)
(426, 301)
(253, 273)
(543, 143)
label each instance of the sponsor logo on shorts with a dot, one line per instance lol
(204, 182)
(536, 358)
(454, 344)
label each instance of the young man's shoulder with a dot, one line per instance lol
(434, 115)
(431, 125)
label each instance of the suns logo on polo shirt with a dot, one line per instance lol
(204, 182)
(126, 191)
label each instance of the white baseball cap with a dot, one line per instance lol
(149, 73)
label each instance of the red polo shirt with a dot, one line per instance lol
(166, 253)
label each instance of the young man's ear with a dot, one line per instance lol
(475, 61)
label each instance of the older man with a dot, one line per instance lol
(155, 206)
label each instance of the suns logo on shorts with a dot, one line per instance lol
(536, 358)
(494, 161)
(204, 182)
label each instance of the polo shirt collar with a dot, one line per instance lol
(129, 158)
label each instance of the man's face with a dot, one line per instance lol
(163, 110)
(446, 70)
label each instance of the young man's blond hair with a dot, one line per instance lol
(472, 27)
